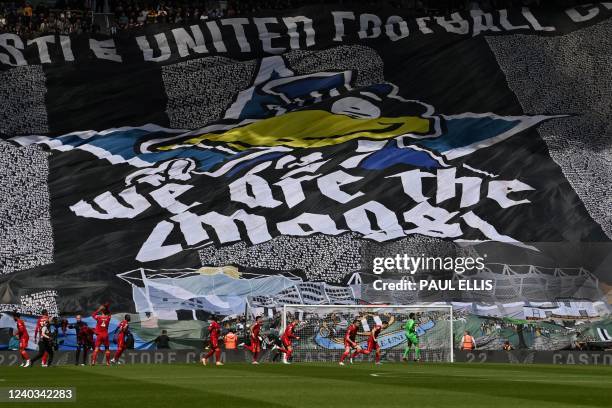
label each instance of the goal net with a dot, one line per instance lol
(321, 331)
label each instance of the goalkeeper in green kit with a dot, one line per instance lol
(411, 339)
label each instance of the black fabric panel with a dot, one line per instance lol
(104, 95)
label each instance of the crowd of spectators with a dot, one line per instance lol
(76, 16)
(29, 20)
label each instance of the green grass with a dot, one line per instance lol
(315, 385)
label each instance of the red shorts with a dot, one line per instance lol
(255, 342)
(23, 343)
(286, 342)
(349, 344)
(214, 342)
(102, 338)
(373, 345)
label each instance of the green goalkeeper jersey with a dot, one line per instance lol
(410, 327)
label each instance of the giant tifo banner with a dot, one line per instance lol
(314, 156)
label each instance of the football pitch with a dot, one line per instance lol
(318, 385)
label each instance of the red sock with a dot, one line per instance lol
(24, 355)
(282, 350)
(344, 355)
(107, 355)
(44, 357)
(94, 357)
(249, 347)
(209, 354)
(218, 355)
(289, 353)
(118, 354)
(255, 354)
(377, 357)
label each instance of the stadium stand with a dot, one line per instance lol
(30, 18)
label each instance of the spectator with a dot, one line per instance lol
(29, 21)
(27, 15)
(123, 21)
(231, 340)
(467, 342)
(142, 17)
(162, 342)
(81, 333)
(13, 343)
(507, 346)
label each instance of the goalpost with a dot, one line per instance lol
(322, 329)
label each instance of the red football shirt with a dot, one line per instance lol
(255, 329)
(42, 320)
(288, 335)
(102, 323)
(22, 332)
(214, 329)
(375, 332)
(351, 332)
(123, 326)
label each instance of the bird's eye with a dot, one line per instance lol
(357, 108)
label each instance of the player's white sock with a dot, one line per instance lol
(27, 363)
(203, 361)
(22, 364)
(274, 347)
(351, 360)
(113, 361)
(286, 362)
(241, 345)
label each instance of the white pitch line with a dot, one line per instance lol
(415, 375)
(195, 377)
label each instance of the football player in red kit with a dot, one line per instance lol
(286, 339)
(372, 343)
(40, 323)
(349, 340)
(122, 331)
(22, 333)
(255, 346)
(215, 333)
(103, 318)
